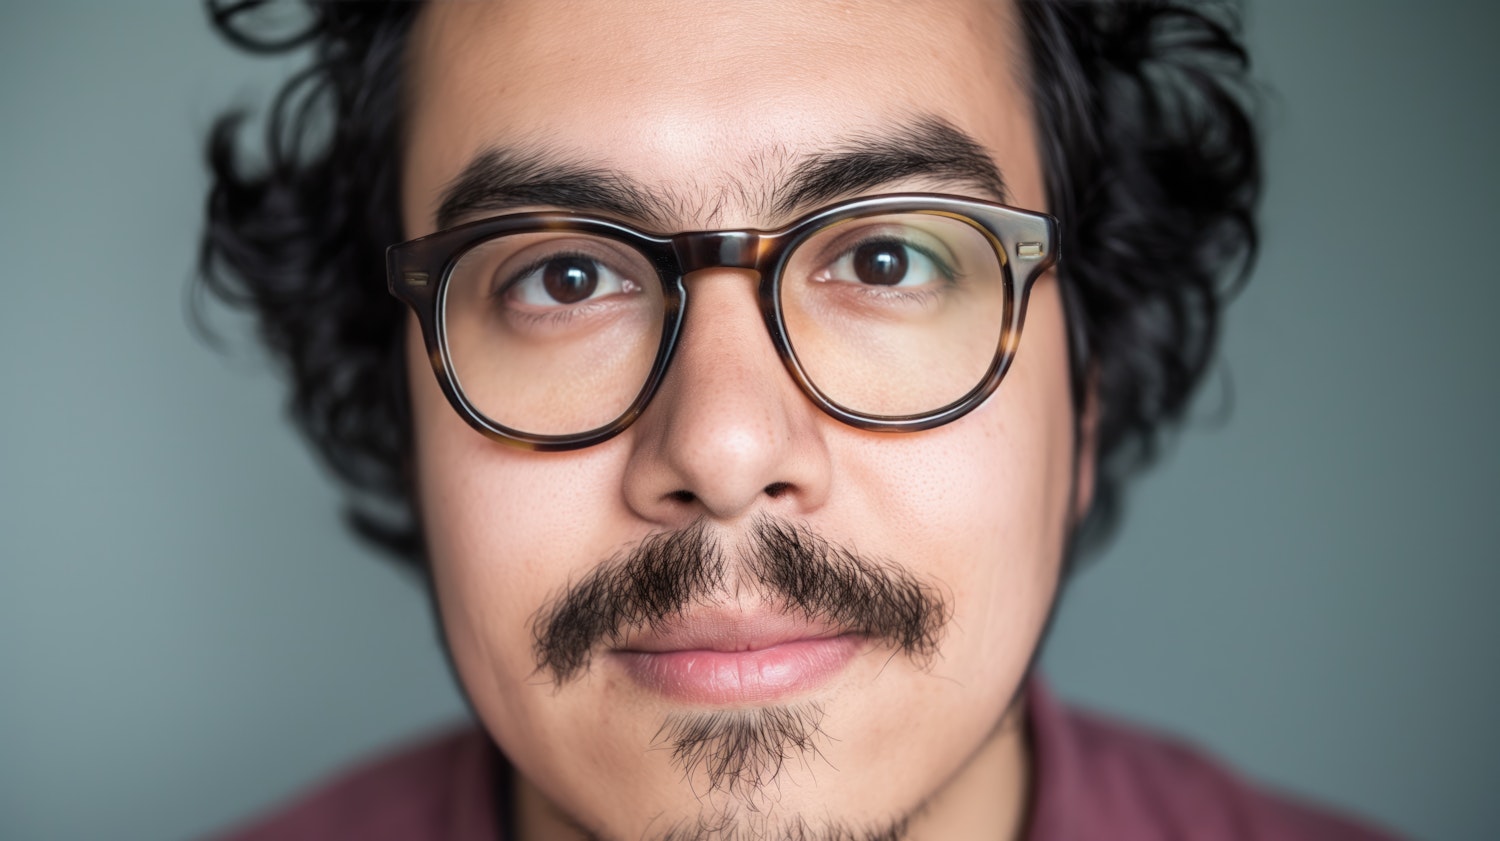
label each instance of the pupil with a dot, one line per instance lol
(570, 279)
(880, 263)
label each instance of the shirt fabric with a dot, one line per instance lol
(1093, 778)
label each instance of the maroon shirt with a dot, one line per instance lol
(1094, 779)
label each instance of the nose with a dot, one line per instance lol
(728, 433)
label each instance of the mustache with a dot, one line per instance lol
(785, 563)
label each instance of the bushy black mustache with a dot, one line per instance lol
(785, 563)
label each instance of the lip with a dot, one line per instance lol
(719, 659)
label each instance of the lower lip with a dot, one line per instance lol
(741, 677)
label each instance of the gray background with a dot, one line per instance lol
(187, 636)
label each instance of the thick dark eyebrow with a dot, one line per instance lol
(505, 179)
(932, 148)
(502, 179)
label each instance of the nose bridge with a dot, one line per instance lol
(728, 431)
(719, 249)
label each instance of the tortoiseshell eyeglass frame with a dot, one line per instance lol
(1025, 244)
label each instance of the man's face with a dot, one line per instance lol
(732, 710)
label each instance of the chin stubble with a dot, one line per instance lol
(733, 826)
(741, 752)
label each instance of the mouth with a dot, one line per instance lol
(727, 659)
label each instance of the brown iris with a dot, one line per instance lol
(569, 280)
(880, 263)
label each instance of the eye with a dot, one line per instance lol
(564, 279)
(887, 261)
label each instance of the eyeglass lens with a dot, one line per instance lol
(556, 332)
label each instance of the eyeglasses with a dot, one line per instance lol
(552, 331)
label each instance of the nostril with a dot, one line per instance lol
(681, 496)
(776, 489)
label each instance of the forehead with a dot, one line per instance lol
(709, 103)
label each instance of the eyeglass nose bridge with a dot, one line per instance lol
(719, 249)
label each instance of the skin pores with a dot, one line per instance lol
(710, 106)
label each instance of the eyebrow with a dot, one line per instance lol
(931, 148)
(506, 179)
(502, 179)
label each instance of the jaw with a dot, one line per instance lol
(985, 798)
(830, 767)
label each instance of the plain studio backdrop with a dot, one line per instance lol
(187, 635)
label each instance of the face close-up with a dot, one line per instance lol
(752, 420)
(742, 705)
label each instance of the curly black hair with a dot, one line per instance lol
(1151, 160)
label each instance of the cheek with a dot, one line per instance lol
(505, 529)
(1025, 504)
(984, 504)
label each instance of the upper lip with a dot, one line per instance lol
(726, 631)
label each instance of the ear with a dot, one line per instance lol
(1086, 447)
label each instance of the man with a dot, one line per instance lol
(686, 382)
